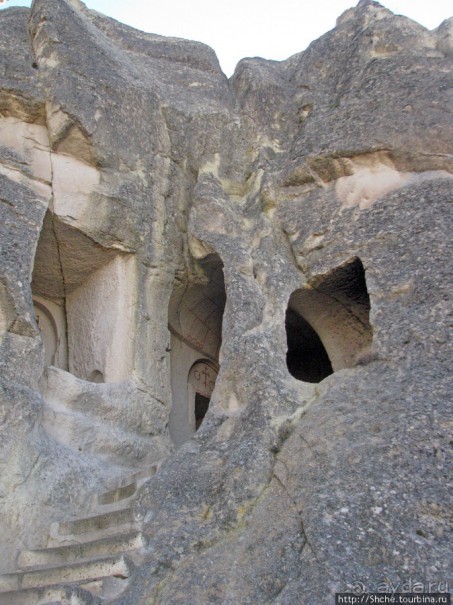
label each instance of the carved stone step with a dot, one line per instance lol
(115, 495)
(114, 519)
(57, 556)
(108, 588)
(49, 596)
(124, 491)
(142, 474)
(76, 573)
(126, 488)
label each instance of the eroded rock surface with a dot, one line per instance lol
(278, 243)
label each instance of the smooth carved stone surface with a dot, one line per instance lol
(289, 226)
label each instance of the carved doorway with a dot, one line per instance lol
(201, 382)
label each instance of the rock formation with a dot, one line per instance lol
(275, 246)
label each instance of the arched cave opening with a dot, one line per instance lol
(306, 357)
(327, 324)
(195, 323)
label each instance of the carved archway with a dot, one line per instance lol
(51, 320)
(200, 383)
(195, 323)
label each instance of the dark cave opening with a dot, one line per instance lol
(201, 407)
(306, 358)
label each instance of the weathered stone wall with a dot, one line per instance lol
(322, 183)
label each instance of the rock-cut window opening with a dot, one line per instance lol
(327, 324)
(195, 323)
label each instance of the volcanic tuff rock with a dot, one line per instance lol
(284, 234)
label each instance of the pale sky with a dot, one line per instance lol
(273, 29)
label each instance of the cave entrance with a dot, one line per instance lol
(327, 324)
(195, 323)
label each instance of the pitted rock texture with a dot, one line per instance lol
(290, 228)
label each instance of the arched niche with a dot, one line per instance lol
(50, 317)
(195, 322)
(96, 376)
(48, 331)
(328, 325)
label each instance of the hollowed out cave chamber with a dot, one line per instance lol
(82, 294)
(195, 323)
(328, 325)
